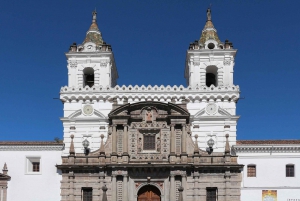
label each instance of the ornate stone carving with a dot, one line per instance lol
(227, 62)
(73, 64)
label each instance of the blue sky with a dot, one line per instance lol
(149, 40)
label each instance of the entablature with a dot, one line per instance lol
(152, 93)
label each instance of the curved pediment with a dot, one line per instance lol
(170, 108)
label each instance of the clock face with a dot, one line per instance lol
(88, 109)
(211, 108)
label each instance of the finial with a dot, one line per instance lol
(208, 13)
(102, 151)
(196, 149)
(4, 170)
(227, 148)
(104, 196)
(72, 150)
(94, 13)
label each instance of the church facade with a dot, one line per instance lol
(150, 143)
(156, 143)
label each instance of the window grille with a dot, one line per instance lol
(87, 194)
(290, 171)
(35, 166)
(211, 194)
(251, 171)
(149, 142)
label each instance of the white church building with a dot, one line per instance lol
(154, 143)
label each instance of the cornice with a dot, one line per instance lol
(267, 148)
(226, 93)
(31, 147)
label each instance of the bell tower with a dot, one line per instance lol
(91, 70)
(91, 63)
(209, 61)
(209, 72)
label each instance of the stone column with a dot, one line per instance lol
(172, 139)
(125, 140)
(227, 185)
(101, 184)
(172, 188)
(196, 182)
(71, 189)
(114, 139)
(183, 139)
(4, 190)
(183, 184)
(114, 187)
(125, 188)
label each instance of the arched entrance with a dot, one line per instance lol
(149, 193)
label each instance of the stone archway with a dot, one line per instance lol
(149, 193)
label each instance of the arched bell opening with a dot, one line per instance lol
(211, 77)
(88, 77)
(149, 193)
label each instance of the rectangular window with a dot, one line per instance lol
(149, 142)
(290, 171)
(211, 194)
(33, 165)
(87, 194)
(251, 171)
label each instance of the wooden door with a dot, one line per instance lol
(149, 193)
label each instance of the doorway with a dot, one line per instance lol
(149, 193)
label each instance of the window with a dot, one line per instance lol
(289, 170)
(149, 142)
(33, 165)
(211, 194)
(251, 171)
(87, 194)
(88, 77)
(211, 76)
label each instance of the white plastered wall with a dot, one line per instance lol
(270, 175)
(43, 186)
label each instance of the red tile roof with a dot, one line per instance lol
(265, 142)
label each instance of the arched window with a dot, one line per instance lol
(211, 76)
(88, 77)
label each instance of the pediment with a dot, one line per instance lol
(78, 113)
(220, 112)
(169, 108)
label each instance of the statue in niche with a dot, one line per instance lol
(148, 115)
(158, 145)
(139, 145)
